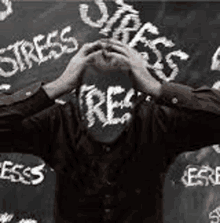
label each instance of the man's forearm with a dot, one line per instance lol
(154, 90)
(56, 89)
(148, 84)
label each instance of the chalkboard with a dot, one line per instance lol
(27, 189)
(191, 187)
(180, 40)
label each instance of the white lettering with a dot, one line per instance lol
(148, 98)
(127, 99)
(182, 56)
(216, 85)
(191, 177)
(6, 217)
(95, 109)
(158, 66)
(215, 60)
(217, 176)
(37, 171)
(39, 48)
(13, 170)
(215, 215)
(4, 170)
(111, 105)
(53, 53)
(27, 221)
(8, 11)
(17, 54)
(68, 40)
(27, 175)
(5, 86)
(139, 35)
(8, 60)
(216, 148)
(124, 8)
(125, 31)
(203, 176)
(29, 55)
(83, 89)
(211, 174)
(83, 8)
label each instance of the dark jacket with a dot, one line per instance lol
(111, 183)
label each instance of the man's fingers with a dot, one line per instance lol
(108, 42)
(125, 46)
(93, 54)
(92, 47)
(117, 42)
(118, 56)
(118, 49)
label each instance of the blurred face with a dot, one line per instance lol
(110, 107)
(105, 99)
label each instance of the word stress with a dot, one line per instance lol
(8, 217)
(19, 173)
(94, 109)
(201, 176)
(214, 216)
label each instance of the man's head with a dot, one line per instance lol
(106, 97)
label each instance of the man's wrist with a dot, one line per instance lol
(149, 84)
(56, 89)
(157, 89)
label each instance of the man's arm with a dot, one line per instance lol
(14, 108)
(35, 98)
(23, 103)
(182, 96)
(183, 110)
(192, 116)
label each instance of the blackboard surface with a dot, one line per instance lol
(180, 40)
(27, 189)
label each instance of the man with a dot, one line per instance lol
(108, 168)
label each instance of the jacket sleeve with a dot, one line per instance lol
(49, 131)
(15, 107)
(191, 116)
(37, 131)
(182, 96)
(24, 103)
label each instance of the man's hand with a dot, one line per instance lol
(70, 77)
(143, 79)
